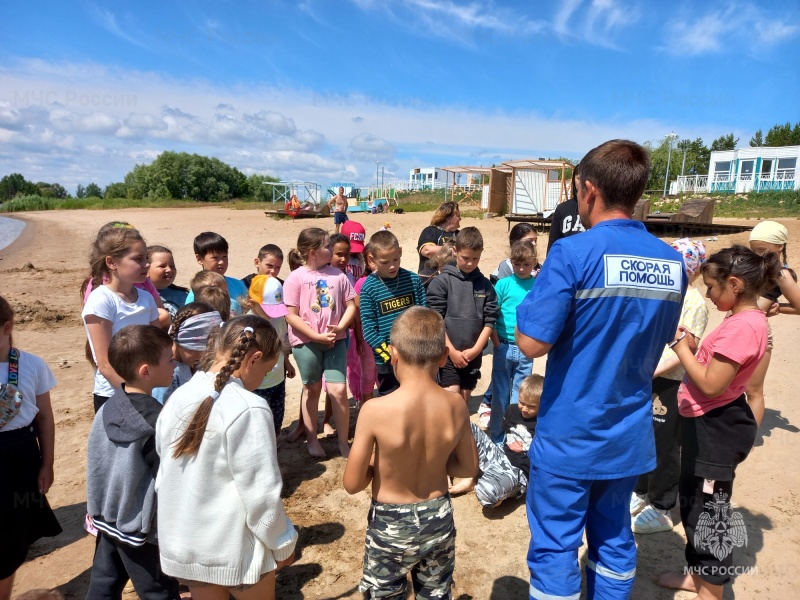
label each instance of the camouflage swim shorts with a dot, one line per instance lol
(418, 538)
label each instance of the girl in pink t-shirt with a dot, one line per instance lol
(718, 428)
(321, 304)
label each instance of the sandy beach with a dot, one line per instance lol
(41, 273)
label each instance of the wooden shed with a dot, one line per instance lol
(531, 187)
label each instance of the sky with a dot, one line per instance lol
(332, 90)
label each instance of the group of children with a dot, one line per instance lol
(189, 395)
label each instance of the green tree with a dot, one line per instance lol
(757, 140)
(116, 190)
(697, 157)
(783, 135)
(94, 191)
(80, 191)
(724, 142)
(16, 185)
(190, 176)
(263, 193)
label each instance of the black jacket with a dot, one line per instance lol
(467, 302)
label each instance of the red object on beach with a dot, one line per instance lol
(291, 209)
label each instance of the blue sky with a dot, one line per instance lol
(320, 90)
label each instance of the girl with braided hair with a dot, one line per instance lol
(190, 331)
(222, 527)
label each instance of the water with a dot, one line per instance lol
(9, 230)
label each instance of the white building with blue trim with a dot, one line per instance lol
(754, 169)
(745, 170)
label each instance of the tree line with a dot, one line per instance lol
(173, 175)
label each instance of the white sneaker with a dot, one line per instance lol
(652, 520)
(637, 503)
(484, 413)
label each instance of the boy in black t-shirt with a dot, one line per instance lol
(504, 472)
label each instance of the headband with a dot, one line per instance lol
(770, 232)
(194, 331)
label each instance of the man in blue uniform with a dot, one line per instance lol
(603, 306)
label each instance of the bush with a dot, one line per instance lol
(31, 202)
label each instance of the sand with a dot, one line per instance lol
(491, 545)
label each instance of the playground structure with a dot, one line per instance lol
(469, 188)
(300, 199)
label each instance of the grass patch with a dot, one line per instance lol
(34, 203)
(764, 205)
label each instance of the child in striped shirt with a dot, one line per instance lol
(386, 294)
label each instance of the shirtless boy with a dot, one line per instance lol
(411, 518)
(339, 205)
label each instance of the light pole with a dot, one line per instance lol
(377, 168)
(670, 136)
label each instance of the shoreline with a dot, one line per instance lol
(24, 238)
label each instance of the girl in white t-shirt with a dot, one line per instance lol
(27, 437)
(118, 261)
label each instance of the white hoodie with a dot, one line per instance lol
(220, 514)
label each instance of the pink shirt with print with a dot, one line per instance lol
(741, 338)
(320, 298)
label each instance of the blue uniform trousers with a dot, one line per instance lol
(559, 508)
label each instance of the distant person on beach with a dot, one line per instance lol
(338, 205)
(443, 227)
(566, 221)
(604, 305)
(411, 527)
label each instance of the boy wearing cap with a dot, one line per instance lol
(266, 295)
(356, 233)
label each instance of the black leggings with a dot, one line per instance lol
(660, 485)
(713, 445)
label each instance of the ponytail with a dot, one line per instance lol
(236, 339)
(759, 273)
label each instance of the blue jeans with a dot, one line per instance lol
(509, 368)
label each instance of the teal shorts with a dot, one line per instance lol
(314, 359)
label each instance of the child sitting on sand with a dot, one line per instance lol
(504, 471)
(411, 525)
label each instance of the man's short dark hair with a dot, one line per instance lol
(619, 169)
(134, 346)
(469, 238)
(270, 250)
(208, 242)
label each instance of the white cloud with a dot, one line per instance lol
(368, 147)
(290, 133)
(108, 21)
(731, 25)
(447, 18)
(597, 22)
(271, 122)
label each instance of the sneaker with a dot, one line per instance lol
(484, 412)
(637, 503)
(652, 520)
